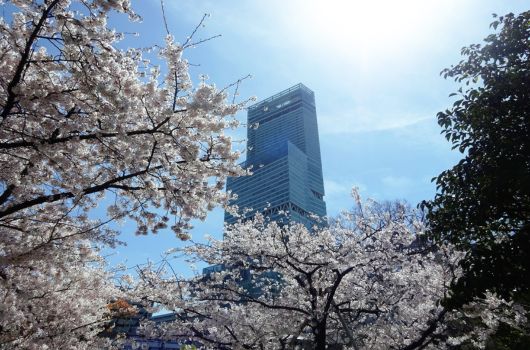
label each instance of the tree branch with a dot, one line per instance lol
(11, 96)
(421, 343)
(54, 140)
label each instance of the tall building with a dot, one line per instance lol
(283, 152)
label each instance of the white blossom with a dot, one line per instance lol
(82, 121)
(369, 280)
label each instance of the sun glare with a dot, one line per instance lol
(369, 28)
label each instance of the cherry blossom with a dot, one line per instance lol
(368, 280)
(83, 124)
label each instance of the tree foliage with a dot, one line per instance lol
(483, 202)
(84, 123)
(364, 282)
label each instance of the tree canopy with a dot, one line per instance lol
(366, 281)
(84, 123)
(483, 202)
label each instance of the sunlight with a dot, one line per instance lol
(369, 28)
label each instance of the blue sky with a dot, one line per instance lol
(374, 67)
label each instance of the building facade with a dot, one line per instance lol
(283, 153)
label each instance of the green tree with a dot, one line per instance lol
(483, 202)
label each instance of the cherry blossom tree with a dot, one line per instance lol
(84, 123)
(367, 281)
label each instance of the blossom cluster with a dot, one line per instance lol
(85, 124)
(369, 279)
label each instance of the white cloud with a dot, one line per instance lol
(362, 120)
(397, 182)
(335, 188)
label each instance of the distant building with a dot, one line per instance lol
(135, 340)
(283, 152)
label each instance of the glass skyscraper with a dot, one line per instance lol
(283, 152)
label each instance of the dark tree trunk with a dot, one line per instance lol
(320, 336)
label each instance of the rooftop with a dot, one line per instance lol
(296, 87)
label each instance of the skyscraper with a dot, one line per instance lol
(283, 152)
